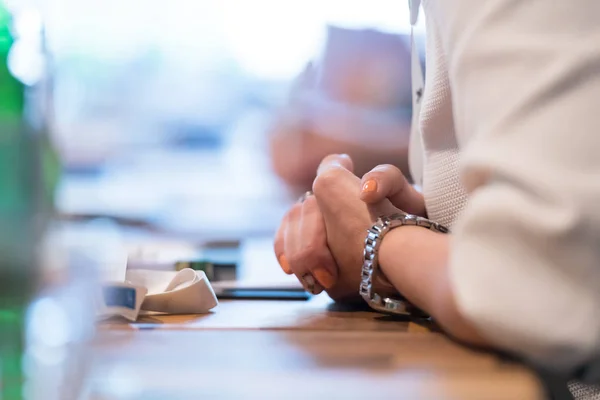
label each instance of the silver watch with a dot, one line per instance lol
(370, 262)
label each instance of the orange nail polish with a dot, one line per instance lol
(285, 266)
(370, 186)
(324, 277)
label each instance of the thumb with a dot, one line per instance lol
(387, 181)
(381, 208)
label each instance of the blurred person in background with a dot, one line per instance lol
(508, 124)
(354, 99)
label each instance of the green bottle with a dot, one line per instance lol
(27, 166)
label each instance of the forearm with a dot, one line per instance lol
(415, 260)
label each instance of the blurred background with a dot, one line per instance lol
(178, 127)
(206, 118)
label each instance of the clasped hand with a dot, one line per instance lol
(321, 239)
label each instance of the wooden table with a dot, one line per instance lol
(295, 350)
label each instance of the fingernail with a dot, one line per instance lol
(285, 266)
(370, 186)
(324, 277)
(308, 281)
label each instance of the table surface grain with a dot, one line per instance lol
(294, 349)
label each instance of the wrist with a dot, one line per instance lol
(372, 263)
(415, 260)
(397, 261)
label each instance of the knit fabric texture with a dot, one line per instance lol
(444, 194)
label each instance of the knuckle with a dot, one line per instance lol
(309, 251)
(300, 257)
(310, 211)
(304, 258)
(294, 212)
(327, 178)
(330, 158)
(297, 261)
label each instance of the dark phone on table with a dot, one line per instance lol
(263, 294)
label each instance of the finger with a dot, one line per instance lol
(306, 248)
(387, 181)
(336, 161)
(291, 241)
(319, 261)
(310, 284)
(279, 245)
(334, 178)
(291, 238)
(293, 252)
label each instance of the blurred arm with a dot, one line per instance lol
(303, 135)
(354, 99)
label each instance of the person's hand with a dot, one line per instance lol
(324, 249)
(387, 181)
(301, 242)
(347, 219)
(301, 247)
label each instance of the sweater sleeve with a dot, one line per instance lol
(525, 258)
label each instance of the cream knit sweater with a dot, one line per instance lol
(510, 127)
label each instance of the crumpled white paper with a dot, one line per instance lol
(183, 292)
